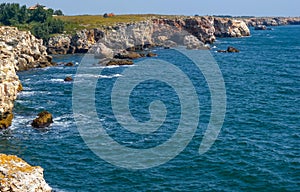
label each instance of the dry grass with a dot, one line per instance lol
(98, 21)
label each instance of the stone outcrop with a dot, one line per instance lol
(225, 27)
(19, 50)
(43, 120)
(272, 21)
(18, 176)
(27, 51)
(192, 32)
(9, 85)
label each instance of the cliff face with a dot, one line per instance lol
(28, 51)
(192, 32)
(19, 50)
(272, 21)
(225, 27)
(18, 176)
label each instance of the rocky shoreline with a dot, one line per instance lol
(20, 50)
(154, 32)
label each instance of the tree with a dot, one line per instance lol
(58, 12)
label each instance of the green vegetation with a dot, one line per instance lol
(43, 23)
(77, 22)
(39, 21)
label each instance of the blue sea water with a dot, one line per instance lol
(256, 150)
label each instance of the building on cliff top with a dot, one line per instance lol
(34, 7)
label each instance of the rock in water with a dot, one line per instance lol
(6, 120)
(68, 79)
(260, 27)
(69, 64)
(151, 54)
(43, 120)
(119, 62)
(232, 50)
(18, 176)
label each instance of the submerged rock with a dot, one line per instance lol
(151, 54)
(232, 50)
(69, 64)
(260, 27)
(68, 79)
(119, 62)
(18, 176)
(43, 120)
(229, 50)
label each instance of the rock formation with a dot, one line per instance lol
(192, 32)
(18, 176)
(272, 21)
(43, 120)
(230, 28)
(28, 51)
(19, 50)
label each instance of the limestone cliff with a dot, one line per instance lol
(18, 176)
(272, 21)
(19, 50)
(28, 51)
(192, 32)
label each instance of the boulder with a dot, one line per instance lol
(101, 51)
(232, 50)
(16, 175)
(43, 120)
(68, 79)
(6, 121)
(151, 54)
(127, 55)
(69, 64)
(260, 27)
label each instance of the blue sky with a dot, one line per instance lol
(181, 7)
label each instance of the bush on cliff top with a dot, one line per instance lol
(39, 21)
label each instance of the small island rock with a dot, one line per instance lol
(43, 120)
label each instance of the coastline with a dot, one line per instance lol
(206, 31)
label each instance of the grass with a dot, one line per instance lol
(79, 22)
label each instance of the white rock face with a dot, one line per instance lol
(9, 81)
(19, 50)
(18, 176)
(29, 52)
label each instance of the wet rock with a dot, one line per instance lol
(151, 54)
(260, 27)
(6, 120)
(232, 50)
(69, 64)
(119, 62)
(16, 175)
(43, 120)
(68, 79)
(127, 55)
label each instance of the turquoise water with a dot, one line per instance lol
(257, 149)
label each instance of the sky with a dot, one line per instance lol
(172, 7)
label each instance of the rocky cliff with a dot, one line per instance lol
(18, 176)
(272, 21)
(19, 50)
(192, 32)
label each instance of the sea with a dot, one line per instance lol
(256, 149)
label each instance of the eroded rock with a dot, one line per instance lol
(43, 120)
(18, 176)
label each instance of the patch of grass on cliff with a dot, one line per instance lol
(77, 22)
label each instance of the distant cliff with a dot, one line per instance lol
(157, 31)
(272, 21)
